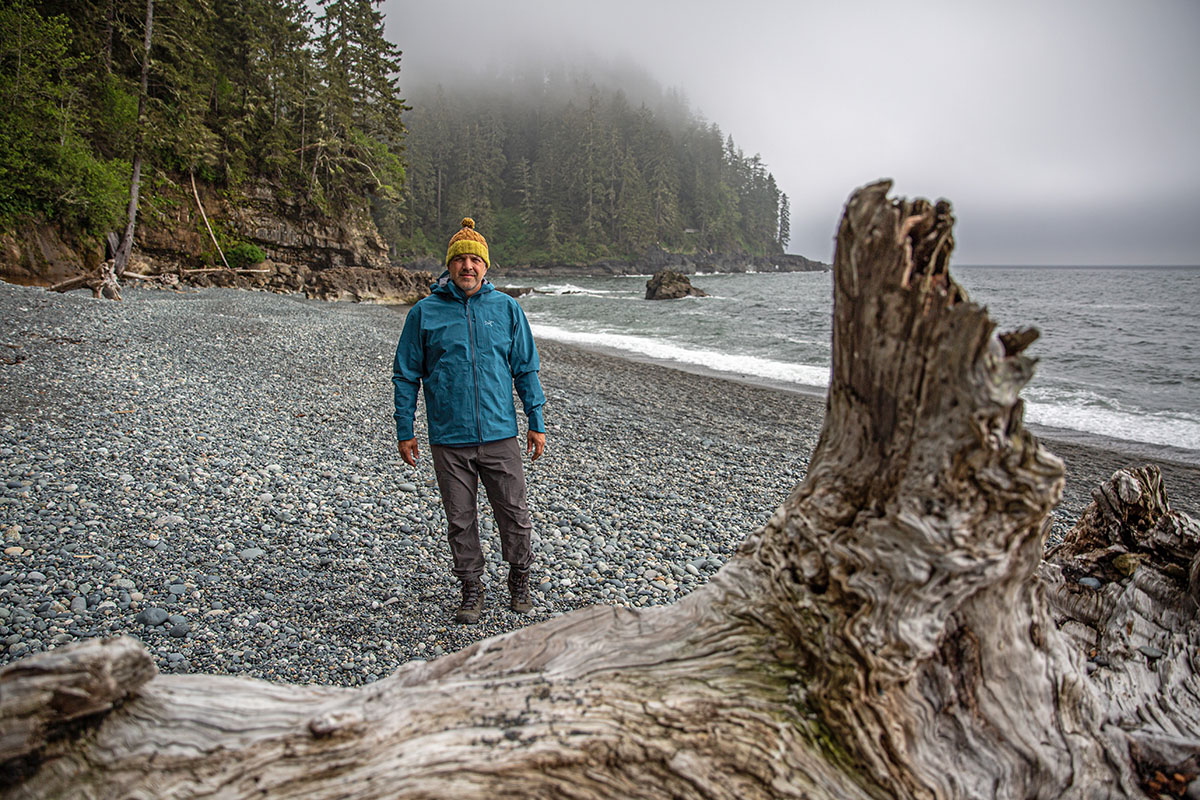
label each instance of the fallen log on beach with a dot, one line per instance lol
(102, 281)
(892, 631)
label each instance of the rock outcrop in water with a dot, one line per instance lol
(671, 285)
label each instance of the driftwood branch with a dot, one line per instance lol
(892, 631)
(204, 216)
(72, 283)
(212, 270)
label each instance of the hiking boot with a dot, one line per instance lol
(472, 602)
(518, 589)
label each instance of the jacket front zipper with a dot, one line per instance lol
(474, 367)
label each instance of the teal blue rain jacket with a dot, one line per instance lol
(468, 353)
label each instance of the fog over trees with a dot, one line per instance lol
(578, 162)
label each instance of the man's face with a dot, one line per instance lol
(467, 271)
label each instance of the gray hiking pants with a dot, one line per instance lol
(459, 470)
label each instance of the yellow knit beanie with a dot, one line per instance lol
(467, 240)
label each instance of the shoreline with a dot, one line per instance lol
(1157, 453)
(215, 473)
(1089, 459)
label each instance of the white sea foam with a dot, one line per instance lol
(1075, 413)
(570, 288)
(750, 366)
(1171, 429)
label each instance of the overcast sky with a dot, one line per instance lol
(1063, 131)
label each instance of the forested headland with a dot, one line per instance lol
(289, 117)
(567, 166)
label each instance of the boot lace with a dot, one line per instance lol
(471, 592)
(518, 584)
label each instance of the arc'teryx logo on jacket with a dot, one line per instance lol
(468, 353)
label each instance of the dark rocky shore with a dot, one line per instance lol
(214, 472)
(655, 259)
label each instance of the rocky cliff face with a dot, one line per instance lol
(341, 258)
(42, 254)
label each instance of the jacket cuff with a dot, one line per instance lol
(536, 423)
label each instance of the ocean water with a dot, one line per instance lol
(1119, 354)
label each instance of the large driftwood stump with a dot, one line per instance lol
(889, 632)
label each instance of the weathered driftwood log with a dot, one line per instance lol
(886, 634)
(1125, 587)
(40, 696)
(103, 282)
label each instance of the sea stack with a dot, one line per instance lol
(668, 284)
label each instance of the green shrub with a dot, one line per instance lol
(244, 255)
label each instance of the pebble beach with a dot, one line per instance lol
(214, 472)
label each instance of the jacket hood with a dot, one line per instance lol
(444, 286)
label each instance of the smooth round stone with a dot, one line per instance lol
(152, 617)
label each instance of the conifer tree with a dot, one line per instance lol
(360, 131)
(785, 222)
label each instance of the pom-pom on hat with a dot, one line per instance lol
(467, 240)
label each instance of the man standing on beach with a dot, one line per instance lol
(469, 345)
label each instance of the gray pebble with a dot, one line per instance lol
(152, 617)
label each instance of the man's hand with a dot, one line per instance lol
(537, 443)
(408, 451)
